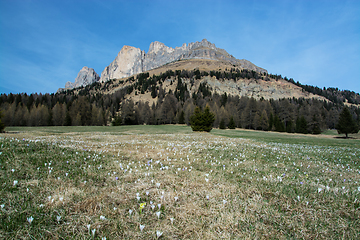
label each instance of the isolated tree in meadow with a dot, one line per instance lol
(208, 118)
(196, 120)
(202, 120)
(346, 123)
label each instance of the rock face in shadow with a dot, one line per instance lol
(131, 60)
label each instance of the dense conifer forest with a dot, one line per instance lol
(91, 106)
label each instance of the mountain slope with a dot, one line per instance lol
(220, 76)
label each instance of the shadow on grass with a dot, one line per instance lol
(345, 137)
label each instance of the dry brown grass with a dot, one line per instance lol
(243, 200)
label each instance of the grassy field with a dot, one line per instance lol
(136, 129)
(150, 182)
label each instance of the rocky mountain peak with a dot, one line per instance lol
(127, 62)
(131, 60)
(156, 47)
(85, 77)
(204, 43)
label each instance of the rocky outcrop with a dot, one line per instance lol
(131, 60)
(85, 77)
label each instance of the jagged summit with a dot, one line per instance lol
(131, 60)
(85, 77)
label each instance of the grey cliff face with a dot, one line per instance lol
(85, 77)
(131, 60)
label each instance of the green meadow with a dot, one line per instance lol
(167, 182)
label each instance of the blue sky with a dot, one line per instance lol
(44, 44)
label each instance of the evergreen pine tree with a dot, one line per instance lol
(67, 121)
(196, 120)
(271, 121)
(264, 121)
(202, 120)
(117, 121)
(289, 128)
(346, 123)
(231, 123)
(209, 119)
(279, 125)
(222, 124)
(182, 118)
(316, 126)
(301, 125)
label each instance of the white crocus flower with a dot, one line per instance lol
(158, 233)
(141, 227)
(30, 219)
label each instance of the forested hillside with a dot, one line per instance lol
(109, 103)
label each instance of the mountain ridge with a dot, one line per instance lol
(131, 60)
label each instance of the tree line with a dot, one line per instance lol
(89, 106)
